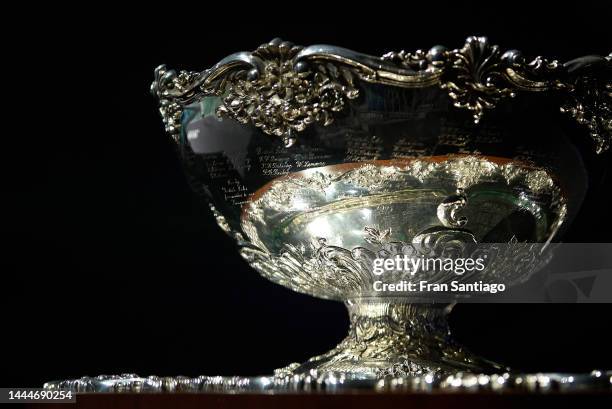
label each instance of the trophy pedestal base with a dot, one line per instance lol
(395, 339)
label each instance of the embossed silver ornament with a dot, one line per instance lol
(283, 88)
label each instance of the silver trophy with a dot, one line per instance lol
(320, 160)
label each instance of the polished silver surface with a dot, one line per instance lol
(283, 88)
(330, 382)
(395, 339)
(317, 225)
(319, 231)
(319, 160)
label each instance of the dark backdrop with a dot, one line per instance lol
(109, 265)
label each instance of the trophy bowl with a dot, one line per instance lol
(319, 161)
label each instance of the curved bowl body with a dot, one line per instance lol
(319, 159)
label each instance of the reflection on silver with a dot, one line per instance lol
(283, 88)
(319, 231)
(330, 382)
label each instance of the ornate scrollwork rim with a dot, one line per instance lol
(283, 88)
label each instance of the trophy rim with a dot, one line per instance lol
(476, 77)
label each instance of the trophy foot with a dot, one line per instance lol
(395, 339)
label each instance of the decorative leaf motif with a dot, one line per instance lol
(590, 104)
(282, 88)
(285, 99)
(165, 82)
(478, 76)
(478, 81)
(375, 236)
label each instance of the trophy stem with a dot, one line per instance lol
(396, 338)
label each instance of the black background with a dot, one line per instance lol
(109, 264)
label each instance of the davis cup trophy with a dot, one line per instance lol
(323, 163)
